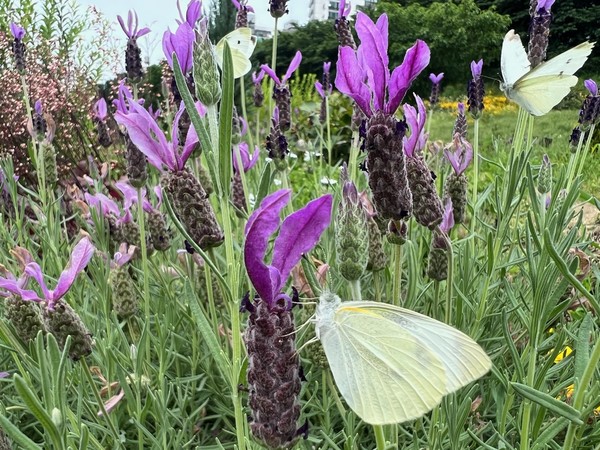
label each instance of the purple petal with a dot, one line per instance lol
(80, 257)
(416, 59)
(476, 68)
(147, 136)
(37, 107)
(261, 225)
(257, 79)
(143, 32)
(265, 68)
(436, 79)
(101, 109)
(193, 13)
(17, 31)
(123, 27)
(544, 4)
(350, 77)
(344, 8)
(34, 270)
(319, 88)
(448, 217)
(253, 158)
(181, 43)
(121, 258)
(592, 87)
(299, 233)
(131, 25)
(159, 195)
(236, 4)
(373, 48)
(327, 67)
(249, 8)
(461, 108)
(242, 147)
(130, 194)
(416, 123)
(293, 66)
(120, 103)
(102, 203)
(15, 287)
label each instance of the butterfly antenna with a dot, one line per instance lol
(310, 341)
(310, 320)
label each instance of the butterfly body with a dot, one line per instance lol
(540, 89)
(391, 364)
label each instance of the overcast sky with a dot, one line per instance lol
(159, 15)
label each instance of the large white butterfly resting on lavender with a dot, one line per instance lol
(540, 89)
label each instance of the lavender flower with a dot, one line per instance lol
(125, 300)
(342, 26)
(460, 124)
(273, 363)
(437, 264)
(460, 154)
(277, 144)
(278, 8)
(426, 202)
(324, 89)
(475, 90)
(281, 91)
(238, 196)
(589, 113)
(133, 58)
(364, 76)
(544, 184)
(435, 88)
(241, 18)
(539, 31)
(187, 196)
(100, 116)
(18, 47)
(259, 96)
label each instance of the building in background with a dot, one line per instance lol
(328, 9)
(259, 31)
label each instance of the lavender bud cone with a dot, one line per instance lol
(344, 33)
(50, 168)
(129, 233)
(386, 165)
(434, 97)
(427, 206)
(125, 301)
(456, 189)
(397, 232)
(278, 8)
(589, 112)
(351, 237)
(5, 442)
(437, 264)
(323, 111)
(25, 317)
(103, 132)
(159, 234)
(191, 206)
(206, 72)
(133, 61)
(238, 197)
(18, 50)
(475, 93)
(460, 124)
(259, 96)
(241, 18)
(277, 147)
(574, 139)
(544, 181)
(377, 257)
(282, 97)
(205, 179)
(136, 166)
(63, 322)
(273, 375)
(538, 36)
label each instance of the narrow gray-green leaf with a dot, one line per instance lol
(15, 434)
(549, 433)
(582, 346)
(207, 332)
(549, 402)
(225, 120)
(266, 179)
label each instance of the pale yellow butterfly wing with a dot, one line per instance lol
(513, 61)
(463, 359)
(383, 372)
(539, 95)
(242, 44)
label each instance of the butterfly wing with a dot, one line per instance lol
(514, 61)
(540, 94)
(463, 359)
(242, 44)
(383, 372)
(544, 87)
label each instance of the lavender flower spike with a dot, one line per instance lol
(290, 71)
(364, 75)
(591, 86)
(281, 91)
(416, 123)
(435, 88)
(81, 255)
(476, 68)
(298, 234)
(17, 31)
(476, 90)
(100, 109)
(462, 155)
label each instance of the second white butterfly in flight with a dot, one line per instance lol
(540, 89)
(391, 364)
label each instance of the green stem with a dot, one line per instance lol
(397, 281)
(449, 281)
(580, 391)
(573, 161)
(355, 290)
(379, 437)
(583, 156)
(328, 126)
(377, 286)
(527, 405)
(213, 125)
(243, 104)
(273, 65)
(144, 250)
(353, 163)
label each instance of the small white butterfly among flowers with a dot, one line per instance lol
(540, 89)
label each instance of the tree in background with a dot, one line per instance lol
(221, 19)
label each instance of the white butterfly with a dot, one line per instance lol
(241, 43)
(540, 89)
(391, 364)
